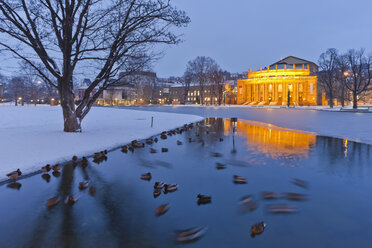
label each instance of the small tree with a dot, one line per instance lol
(359, 75)
(327, 74)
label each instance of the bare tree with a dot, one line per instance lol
(200, 70)
(103, 36)
(186, 85)
(359, 76)
(17, 90)
(342, 72)
(327, 74)
(217, 78)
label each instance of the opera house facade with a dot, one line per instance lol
(290, 78)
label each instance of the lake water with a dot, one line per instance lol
(122, 212)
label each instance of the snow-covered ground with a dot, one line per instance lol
(31, 137)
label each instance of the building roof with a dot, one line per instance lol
(290, 60)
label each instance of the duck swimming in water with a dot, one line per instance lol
(162, 209)
(70, 200)
(52, 202)
(83, 184)
(159, 185)
(170, 187)
(190, 235)
(258, 228)
(204, 199)
(46, 168)
(239, 180)
(14, 174)
(146, 176)
(157, 192)
(56, 167)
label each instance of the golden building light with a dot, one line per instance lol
(271, 85)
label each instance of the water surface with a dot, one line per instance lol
(122, 212)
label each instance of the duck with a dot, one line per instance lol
(204, 199)
(162, 209)
(124, 149)
(163, 136)
(179, 143)
(258, 228)
(14, 174)
(139, 145)
(46, 168)
(221, 139)
(267, 195)
(282, 209)
(216, 154)
(70, 200)
(83, 184)
(170, 187)
(296, 197)
(164, 149)
(92, 191)
(149, 141)
(190, 235)
(152, 150)
(156, 140)
(46, 177)
(239, 180)
(300, 183)
(191, 140)
(74, 158)
(220, 166)
(159, 185)
(133, 142)
(157, 192)
(248, 203)
(52, 202)
(56, 173)
(84, 162)
(130, 148)
(146, 176)
(56, 167)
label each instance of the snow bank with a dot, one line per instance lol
(31, 137)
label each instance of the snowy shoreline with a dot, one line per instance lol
(31, 137)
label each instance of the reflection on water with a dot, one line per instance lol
(123, 212)
(273, 141)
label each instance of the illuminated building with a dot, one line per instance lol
(293, 77)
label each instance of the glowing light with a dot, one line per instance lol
(39, 82)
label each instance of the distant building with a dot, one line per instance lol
(292, 78)
(178, 94)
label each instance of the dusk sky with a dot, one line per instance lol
(242, 34)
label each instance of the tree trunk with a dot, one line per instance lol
(355, 100)
(343, 96)
(330, 99)
(71, 121)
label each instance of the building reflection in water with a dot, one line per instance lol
(274, 142)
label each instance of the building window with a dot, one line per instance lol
(270, 88)
(192, 94)
(311, 88)
(198, 93)
(188, 99)
(290, 87)
(300, 89)
(280, 88)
